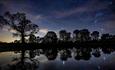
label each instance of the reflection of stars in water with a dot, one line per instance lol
(104, 58)
(63, 62)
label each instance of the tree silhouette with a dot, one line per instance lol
(64, 35)
(68, 36)
(3, 22)
(17, 41)
(37, 39)
(32, 38)
(22, 26)
(105, 36)
(84, 35)
(50, 37)
(95, 35)
(76, 35)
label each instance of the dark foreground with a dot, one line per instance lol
(74, 58)
(90, 55)
(29, 46)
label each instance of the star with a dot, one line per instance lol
(104, 58)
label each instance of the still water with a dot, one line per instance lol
(67, 59)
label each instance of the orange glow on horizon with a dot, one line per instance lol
(6, 36)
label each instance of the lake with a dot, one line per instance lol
(66, 59)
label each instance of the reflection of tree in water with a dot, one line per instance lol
(82, 53)
(32, 65)
(96, 52)
(51, 54)
(37, 52)
(107, 50)
(65, 54)
(32, 53)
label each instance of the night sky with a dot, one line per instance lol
(63, 14)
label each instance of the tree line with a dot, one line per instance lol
(25, 28)
(64, 36)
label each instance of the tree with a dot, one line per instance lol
(95, 35)
(38, 39)
(76, 35)
(16, 41)
(32, 38)
(2, 21)
(84, 35)
(22, 26)
(64, 36)
(68, 36)
(50, 37)
(105, 36)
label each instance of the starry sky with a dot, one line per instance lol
(63, 14)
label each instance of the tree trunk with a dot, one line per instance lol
(22, 51)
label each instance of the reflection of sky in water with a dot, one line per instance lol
(7, 57)
(104, 62)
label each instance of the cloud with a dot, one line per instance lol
(90, 6)
(12, 31)
(43, 31)
(110, 25)
(35, 18)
